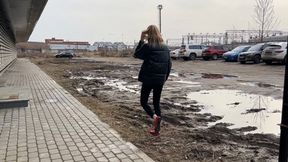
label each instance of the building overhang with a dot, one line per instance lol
(23, 16)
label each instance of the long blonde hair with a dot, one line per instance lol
(154, 36)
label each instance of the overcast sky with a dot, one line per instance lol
(123, 20)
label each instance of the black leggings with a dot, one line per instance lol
(145, 92)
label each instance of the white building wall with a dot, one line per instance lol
(68, 47)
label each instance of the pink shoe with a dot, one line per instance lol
(153, 132)
(156, 126)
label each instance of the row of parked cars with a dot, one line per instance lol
(191, 52)
(266, 52)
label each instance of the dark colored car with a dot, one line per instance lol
(233, 54)
(213, 52)
(253, 54)
(68, 54)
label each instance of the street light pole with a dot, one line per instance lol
(160, 7)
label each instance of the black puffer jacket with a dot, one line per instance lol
(157, 64)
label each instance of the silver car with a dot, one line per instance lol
(174, 54)
(275, 52)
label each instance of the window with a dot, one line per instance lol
(195, 47)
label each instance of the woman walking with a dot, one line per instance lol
(154, 72)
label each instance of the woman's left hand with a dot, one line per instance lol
(143, 35)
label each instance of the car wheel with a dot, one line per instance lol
(257, 59)
(268, 62)
(192, 56)
(242, 62)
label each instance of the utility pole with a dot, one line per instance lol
(283, 150)
(160, 7)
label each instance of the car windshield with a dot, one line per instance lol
(275, 46)
(256, 47)
(238, 49)
(195, 47)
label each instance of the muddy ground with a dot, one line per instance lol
(109, 87)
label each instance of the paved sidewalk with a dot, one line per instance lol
(55, 126)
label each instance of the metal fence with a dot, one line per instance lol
(8, 51)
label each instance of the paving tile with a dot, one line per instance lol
(78, 158)
(121, 156)
(22, 159)
(126, 160)
(90, 159)
(55, 156)
(66, 157)
(114, 160)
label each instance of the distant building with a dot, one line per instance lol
(281, 38)
(32, 47)
(92, 48)
(116, 46)
(57, 45)
(104, 46)
(120, 46)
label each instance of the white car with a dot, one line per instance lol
(174, 54)
(275, 51)
(191, 52)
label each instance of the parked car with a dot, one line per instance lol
(253, 54)
(174, 54)
(213, 52)
(68, 54)
(275, 52)
(191, 52)
(233, 54)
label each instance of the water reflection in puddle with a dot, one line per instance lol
(235, 107)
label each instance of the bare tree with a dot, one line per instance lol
(264, 16)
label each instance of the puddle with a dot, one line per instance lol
(90, 77)
(114, 83)
(251, 84)
(258, 84)
(174, 74)
(122, 86)
(187, 83)
(80, 90)
(217, 76)
(241, 109)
